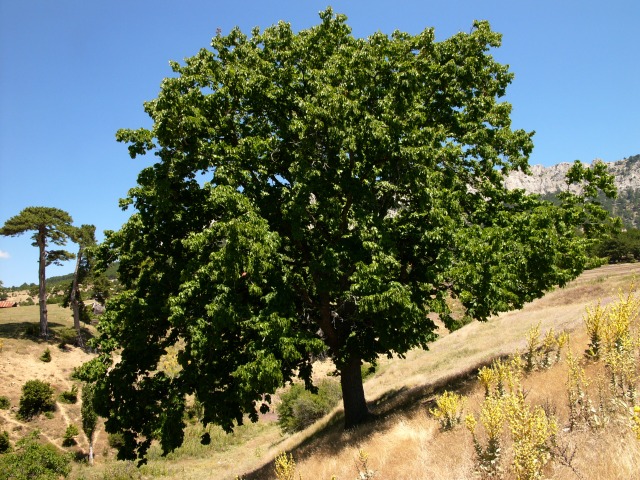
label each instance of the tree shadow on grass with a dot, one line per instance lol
(385, 409)
(58, 333)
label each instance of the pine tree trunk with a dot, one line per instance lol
(73, 301)
(42, 290)
(355, 405)
(91, 450)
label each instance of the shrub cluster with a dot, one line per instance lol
(46, 356)
(67, 336)
(37, 397)
(300, 408)
(32, 459)
(69, 436)
(5, 443)
(69, 396)
(530, 430)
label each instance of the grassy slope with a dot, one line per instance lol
(404, 442)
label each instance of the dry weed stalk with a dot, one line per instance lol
(448, 409)
(364, 472)
(533, 344)
(533, 434)
(539, 353)
(504, 375)
(489, 455)
(635, 419)
(619, 345)
(594, 322)
(285, 467)
(580, 407)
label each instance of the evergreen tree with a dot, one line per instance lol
(50, 226)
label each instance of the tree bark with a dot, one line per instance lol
(355, 405)
(42, 286)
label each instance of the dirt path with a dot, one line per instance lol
(28, 428)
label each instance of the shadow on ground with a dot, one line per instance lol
(333, 438)
(30, 331)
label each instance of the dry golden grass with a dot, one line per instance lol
(20, 362)
(403, 441)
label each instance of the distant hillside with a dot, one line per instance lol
(547, 181)
(64, 280)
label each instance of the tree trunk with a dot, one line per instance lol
(42, 290)
(91, 450)
(73, 301)
(355, 405)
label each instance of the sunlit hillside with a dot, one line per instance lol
(405, 440)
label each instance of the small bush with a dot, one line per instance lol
(67, 336)
(5, 404)
(69, 396)
(299, 408)
(27, 302)
(5, 443)
(46, 356)
(37, 397)
(32, 459)
(116, 440)
(55, 299)
(69, 434)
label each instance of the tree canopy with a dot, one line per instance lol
(50, 226)
(316, 192)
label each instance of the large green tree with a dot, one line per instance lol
(85, 237)
(51, 226)
(316, 192)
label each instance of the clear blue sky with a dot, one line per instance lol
(74, 72)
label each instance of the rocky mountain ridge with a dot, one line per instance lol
(546, 180)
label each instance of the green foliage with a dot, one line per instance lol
(116, 440)
(34, 460)
(46, 356)
(51, 226)
(55, 299)
(319, 192)
(69, 436)
(368, 370)
(66, 336)
(5, 404)
(37, 397)
(88, 413)
(69, 396)
(5, 442)
(300, 408)
(621, 247)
